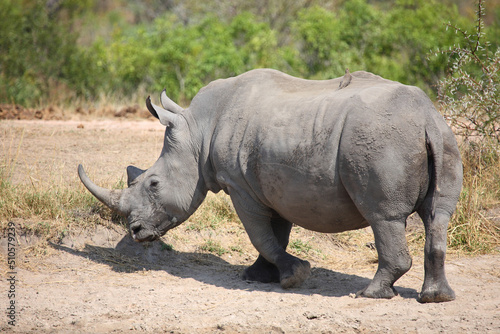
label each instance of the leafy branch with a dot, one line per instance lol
(469, 94)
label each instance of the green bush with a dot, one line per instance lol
(38, 53)
(81, 49)
(469, 94)
(392, 43)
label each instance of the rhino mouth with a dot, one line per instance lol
(141, 234)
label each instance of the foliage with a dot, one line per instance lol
(185, 58)
(417, 29)
(119, 47)
(469, 98)
(392, 43)
(38, 53)
(470, 95)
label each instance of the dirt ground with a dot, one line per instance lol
(98, 280)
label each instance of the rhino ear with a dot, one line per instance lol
(166, 117)
(168, 104)
(133, 173)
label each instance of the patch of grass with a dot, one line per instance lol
(166, 247)
(299, 247)
(213, 247)
(471, 229)
(21, 201)
(237, 249)
(50, 209)
(216, 211)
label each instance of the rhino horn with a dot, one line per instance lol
(110, 198)
(166, 117)
(168, 104)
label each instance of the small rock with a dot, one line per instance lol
(310, 315)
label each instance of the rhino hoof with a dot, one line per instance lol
(300, 272)
(262, 271)
(436, 296)
(384, 293)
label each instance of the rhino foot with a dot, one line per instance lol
(296, 274)
(382, 292)
(262, 271)
(438, 294)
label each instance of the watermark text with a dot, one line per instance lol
(11, 274)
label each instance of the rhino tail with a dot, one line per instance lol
(435, 153)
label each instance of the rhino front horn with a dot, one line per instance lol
(110, 198)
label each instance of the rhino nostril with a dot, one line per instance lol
(135, 228)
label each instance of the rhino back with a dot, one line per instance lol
(279, 137)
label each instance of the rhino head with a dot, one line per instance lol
(166, 194)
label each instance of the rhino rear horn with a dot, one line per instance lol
(110, 198)
(166, 117)
(168, 104)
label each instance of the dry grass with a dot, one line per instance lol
(475, 228)
(48, 208)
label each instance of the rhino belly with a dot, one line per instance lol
(313, 199)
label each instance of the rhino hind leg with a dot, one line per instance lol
(393, 259)
(435, 288)
(262, 270)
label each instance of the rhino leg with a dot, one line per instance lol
(435, 287)
(393, 259)
(257, 220)
(263, 270)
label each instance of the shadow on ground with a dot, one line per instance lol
(129, 256)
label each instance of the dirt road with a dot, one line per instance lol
(99, 281)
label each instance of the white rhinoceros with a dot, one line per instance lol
(293, 151)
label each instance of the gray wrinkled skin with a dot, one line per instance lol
(293, 151)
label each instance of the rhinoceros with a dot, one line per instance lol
(295, 151)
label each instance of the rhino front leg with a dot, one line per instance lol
(269, 241)
(263, 270)
(393, 259)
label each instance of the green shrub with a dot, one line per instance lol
(79, 49)
(469, 94)
(38, 53)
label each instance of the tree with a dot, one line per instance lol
(469, 94)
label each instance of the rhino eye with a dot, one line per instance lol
(153, 184)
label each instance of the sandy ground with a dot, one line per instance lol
(99, 281)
